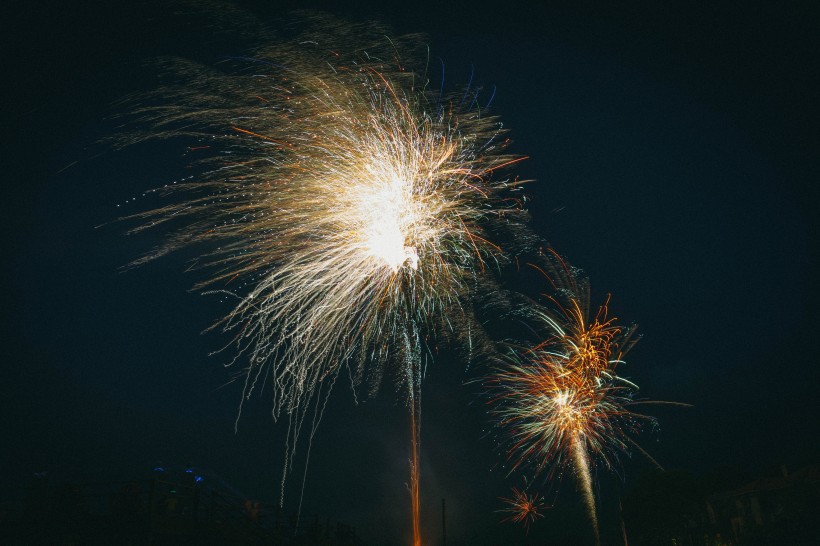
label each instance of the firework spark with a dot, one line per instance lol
(522, 508)
(340, 202)
(560, 403)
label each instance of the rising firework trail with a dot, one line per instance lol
(344, 206)
(559, 402)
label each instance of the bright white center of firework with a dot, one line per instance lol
(389, 216)
(386, 242)
(565, 409)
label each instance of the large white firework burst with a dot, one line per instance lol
(351, 203)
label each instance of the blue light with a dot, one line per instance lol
(159, 469)
(199, 479)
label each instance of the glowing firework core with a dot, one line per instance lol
(389, 216)
(569, 411)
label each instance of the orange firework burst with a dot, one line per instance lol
(560, 402)
(523, 508)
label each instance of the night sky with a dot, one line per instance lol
(675, 153)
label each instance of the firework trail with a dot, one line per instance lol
(581, 460)
(344, 206)
(559, 402)
(413, 369)
(415, 470)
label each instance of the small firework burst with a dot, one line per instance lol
(523, 507)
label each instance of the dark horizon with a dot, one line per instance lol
(674, 152)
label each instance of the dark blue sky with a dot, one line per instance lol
(675, 153)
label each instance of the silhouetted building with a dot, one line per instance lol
(170, 508)
(679, 509)
(775, 510)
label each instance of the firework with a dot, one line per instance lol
(559, 403)
(343, 201)
(343, 204)
(522, 507)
